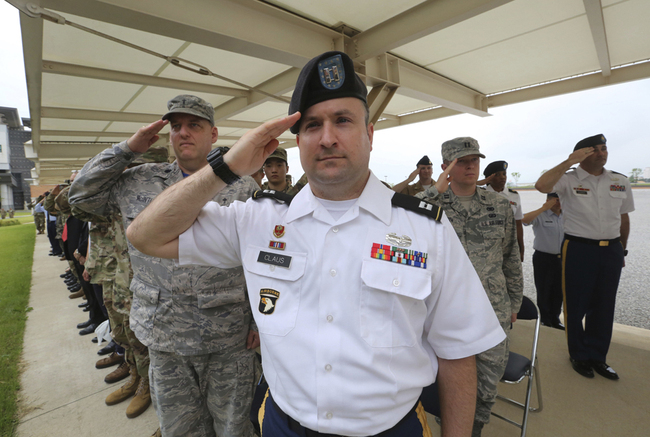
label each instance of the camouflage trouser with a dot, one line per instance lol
(135, 353)
(39, 221)
(490, 366)
(203, 395)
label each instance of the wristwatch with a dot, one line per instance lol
(625, 252)
(220, 168)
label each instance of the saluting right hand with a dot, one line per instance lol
(580, 155)
(550, 203)
(443, 180)
(250, 151)
(146, 136)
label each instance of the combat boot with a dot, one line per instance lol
(127, 390)
(109, 361)
(118, 374)
(141, 401)
(76, 294)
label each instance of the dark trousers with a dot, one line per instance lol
(99, 295)
(275, 423)
(51, 235)
(547, 269)
(590, 281)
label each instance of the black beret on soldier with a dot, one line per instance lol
(495, 167)
(327, 76)
(596, 140)
(424, 161)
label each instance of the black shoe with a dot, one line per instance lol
(583, 368)
(65, 275)
(94, 340)
(108, 349)
(83, 305)
(86, 309)
(71, 282)
(74, 288)
(85, 324)
(558, 325)
(604, 370)
(89, 329)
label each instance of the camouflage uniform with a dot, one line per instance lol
(185, 315)
(487, 231)
(3, 213)
(265, 186)
(39, 217)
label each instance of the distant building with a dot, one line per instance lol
(15, 169)
(646, 174)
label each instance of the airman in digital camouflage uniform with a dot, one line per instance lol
(195, 320)
(485, 225)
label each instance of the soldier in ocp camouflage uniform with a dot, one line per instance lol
(195, 320)
(485, 225)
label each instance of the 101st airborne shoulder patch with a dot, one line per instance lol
(268, 300)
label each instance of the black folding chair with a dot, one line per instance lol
(520, 367)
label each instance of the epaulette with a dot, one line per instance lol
(417, 206)
(572, 168)
(512, 191)
(618, 173)
(272, 194)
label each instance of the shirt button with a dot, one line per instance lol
(329, 415)
(330, 318)
(396, 282)
(272, 268)
(328, 367)
(333, 272)
(335, 230)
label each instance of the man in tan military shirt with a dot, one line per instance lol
(423, 169)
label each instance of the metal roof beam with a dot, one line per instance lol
(222, 24)
(54, 67)
(619, 75)
(32, 36)
(278, 85)
(597, 25)
(417, 117)
(133, 117)
(415, 23)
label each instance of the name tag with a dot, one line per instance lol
(274, 259)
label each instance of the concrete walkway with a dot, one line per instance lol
(63, 394)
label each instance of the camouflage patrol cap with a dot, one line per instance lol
(459, 147)
(328, 76)
(153, 155)
(279, 153)
(495, 167)
(596, 140)
(193, 105)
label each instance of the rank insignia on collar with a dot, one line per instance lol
(268, 300)
(398, 255)
(404, 240)
(278, 231)
(277, 245)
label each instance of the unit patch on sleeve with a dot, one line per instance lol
(399, 255)
(268, 300)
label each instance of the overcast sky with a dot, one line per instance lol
(532, 136)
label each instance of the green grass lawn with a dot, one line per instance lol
(16, 257)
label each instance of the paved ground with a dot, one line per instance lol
(63, 394)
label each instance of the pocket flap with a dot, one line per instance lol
(394, 278)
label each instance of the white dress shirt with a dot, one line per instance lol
(348, 341)
(593, 205)
(549, 232)
(513, 198)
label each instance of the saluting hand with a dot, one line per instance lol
(250, 151)
(443, 180)
(580, 155)
(146, 136)
(550, 203)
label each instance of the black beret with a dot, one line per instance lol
(596, 140)
(424, 161)
(494, 167)
(327, 76)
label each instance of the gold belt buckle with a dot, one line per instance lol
(603, 243)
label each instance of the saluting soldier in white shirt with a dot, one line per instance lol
(361, 295)
(596, 203)
(548, 226)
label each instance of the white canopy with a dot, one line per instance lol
(97, 70)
